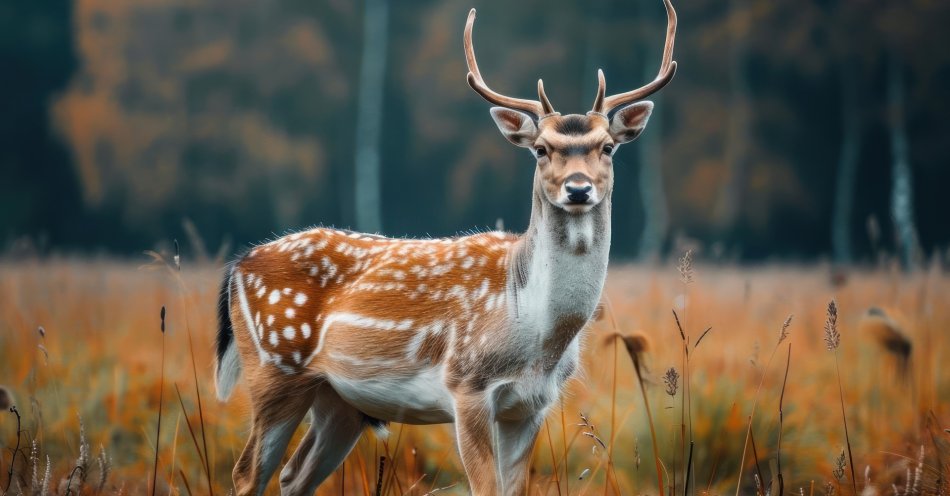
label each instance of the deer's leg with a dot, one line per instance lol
(473, 432)
(276, 412)
(335, 429)
(515, 444)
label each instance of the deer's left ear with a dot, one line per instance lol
(517, 127)
(627, 124)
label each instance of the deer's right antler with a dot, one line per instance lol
(538, 108)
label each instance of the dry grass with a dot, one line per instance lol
(99, 358)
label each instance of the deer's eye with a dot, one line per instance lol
(540, 151)
(608, 149)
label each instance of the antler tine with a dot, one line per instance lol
(667, 69)
(536, 108)
(546, 106)
(601, 89)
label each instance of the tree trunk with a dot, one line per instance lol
(902, 194)
(656, 217)
(650, 149)
(847, 169)
(369, 117)
(730, 202)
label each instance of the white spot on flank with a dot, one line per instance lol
(297, 357)
(468, 262)
(274, 297)
(286, 291)
(482, 290)
(305, 330)
(270, 320)
(290, 332)
(289, 312)
(261, 291)
(441, 270)
(300, 299)
(273, 338)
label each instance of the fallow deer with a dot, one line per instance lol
(481, 331)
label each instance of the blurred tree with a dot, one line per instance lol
(242, 116)
(731, 199)
(203, 109)
(650, 145)
(39, 195)
(902, 193)
(848, 157)
(369, 104)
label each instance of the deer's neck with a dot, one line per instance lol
(557, 273)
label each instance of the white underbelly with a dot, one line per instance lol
(421, 398)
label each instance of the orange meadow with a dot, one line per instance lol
(98, 360)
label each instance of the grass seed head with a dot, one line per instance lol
(685, 267)
(671, 379)
(888, 335)
(6, 398)
(830, 489)
(832, 337)
(637, 345)
(838, 470)
(784, 333)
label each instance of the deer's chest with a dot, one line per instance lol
(536, 387)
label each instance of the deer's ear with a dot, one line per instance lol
(627, 124)
(517, 127)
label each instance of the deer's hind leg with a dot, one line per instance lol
(335, 429)
(278, 404)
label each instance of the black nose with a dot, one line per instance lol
(578, 194)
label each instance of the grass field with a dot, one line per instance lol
(81, 345)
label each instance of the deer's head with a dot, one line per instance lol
(574, 152)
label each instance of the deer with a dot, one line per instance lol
(482, 331)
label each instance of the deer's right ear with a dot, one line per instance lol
(517, 127)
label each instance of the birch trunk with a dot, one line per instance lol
(902, 194)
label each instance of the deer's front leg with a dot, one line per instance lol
(473, 422)
(515, 444)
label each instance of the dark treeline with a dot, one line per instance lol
(792, 130)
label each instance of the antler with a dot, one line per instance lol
(667, 69)
(538, 108)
